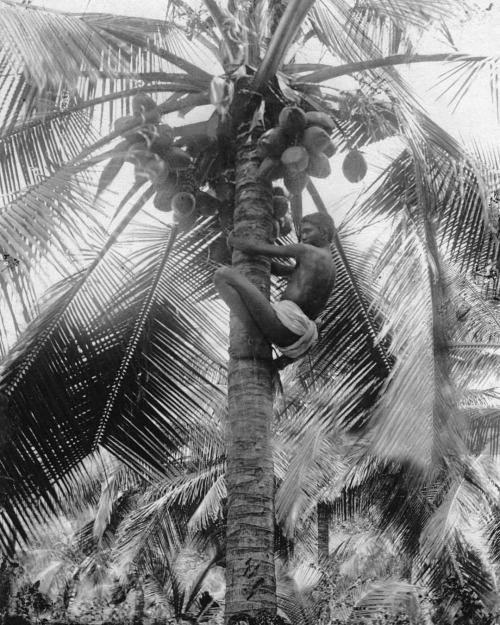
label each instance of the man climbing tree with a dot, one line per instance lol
(288, 323)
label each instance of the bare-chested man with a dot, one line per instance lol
(288, 323)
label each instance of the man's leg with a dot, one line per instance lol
(251, 306)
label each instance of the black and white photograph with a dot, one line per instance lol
(249, 312)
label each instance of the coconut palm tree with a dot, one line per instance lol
(127, 350)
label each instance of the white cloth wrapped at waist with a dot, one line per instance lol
(292, 317)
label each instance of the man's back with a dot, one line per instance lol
(312, 280)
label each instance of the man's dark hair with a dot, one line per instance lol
(322, 220)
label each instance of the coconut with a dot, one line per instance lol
(163, 199)
(162, 145)
(183, 204)
(143, 103)
(319, 166)
(155, 169)
(144, 165)
(167, 179)
(271, 168)
(207, 204)
(354, 166)
(295, 159)
(292, 121)
(315, 139)
(151, 117)
(272, 143)
(280, 206)
(317, 118)
(122, 124)
(296, 183)
(177, 159)
(128, 127)
(330, 149)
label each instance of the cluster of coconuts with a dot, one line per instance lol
(298, 147)
(156, 158)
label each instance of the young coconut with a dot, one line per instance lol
(127, 127)
(280, 206)
(354, 166)
(295, 159)
(319, 166)
(183, 204)
(144, 106)
(168, 179)
(317, 118)
(177, 159)
(272, 143)
(207, 204)
(315, 139)
(162, 145)
(271, 168)
(155, 169)
(163, 198)
(143, 103)
(330, 149)
(292, 120)
(184, 208)
(149, 168)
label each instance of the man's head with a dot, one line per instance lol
(323, 228)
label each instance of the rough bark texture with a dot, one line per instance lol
(323, 533)
(250, 572)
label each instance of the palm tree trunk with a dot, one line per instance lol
(138, 615)
(323, 531)
(250, 572)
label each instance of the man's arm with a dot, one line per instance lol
(281, 269)
(250, 246)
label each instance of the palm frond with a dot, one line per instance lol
(420, 15)
(108, 59)
(315, 464)
(168, 380)
(158, 39)
(210, 507)
(33, 152)
(414, 386)
(295, 589)
(457, 81)
(387, 596)
(31, 44)
(162, 514)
